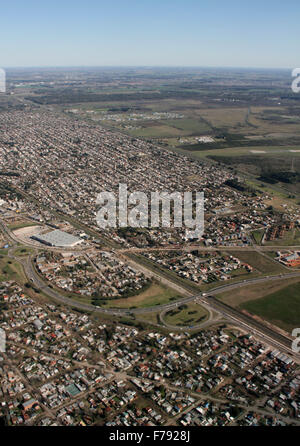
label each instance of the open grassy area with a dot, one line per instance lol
(258, 235)
(21, 224)
(11, 270)
(173, 128)
(225, 117)
(156, 131)
(186, 315)
(156, 294)
(239, 296)
(151, 318)
(281, 308)
(23, 251)
(290, 238)
(260, 262)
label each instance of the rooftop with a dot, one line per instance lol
(58, 238)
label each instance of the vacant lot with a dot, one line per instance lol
(186, 315)
(290, 238)
(156, 294)
(23, 251)
(171, 128)
(151, 318)
(260, 262)
(11, 270)
(156, 131)
(256, 291)
(225, 117)
(281, 308)
(258, 235)
(20, 225)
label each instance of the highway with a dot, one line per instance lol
(39, 283)
(251, 325)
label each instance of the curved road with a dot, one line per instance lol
(267, 334)
(251, 325)
(39, 283)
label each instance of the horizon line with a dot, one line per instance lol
(145, 66)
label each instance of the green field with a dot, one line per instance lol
(290, 238)
(171, 128)
(260, 262)
(186, 316)
(157, 294)
(251, 292)
(151, 318)
(11, 270)
(257, 236)
(20, 225)
(281, 308)
(251, 150)
(23, 251)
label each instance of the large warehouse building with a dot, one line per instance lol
(58, 239)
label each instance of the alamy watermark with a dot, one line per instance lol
(296, 81)
(296, 342)
(2, 81)
(157, 209)
(2, 341)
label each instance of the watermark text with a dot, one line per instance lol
(153, 210)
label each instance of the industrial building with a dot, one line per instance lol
(58, 239)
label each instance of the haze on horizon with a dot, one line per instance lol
(192, 33)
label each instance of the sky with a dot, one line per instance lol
(207, 33)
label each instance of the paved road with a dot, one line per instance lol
(39, 283)
(188, 248)
(183, 247)
(251, 325)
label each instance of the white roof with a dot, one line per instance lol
(58, 238)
